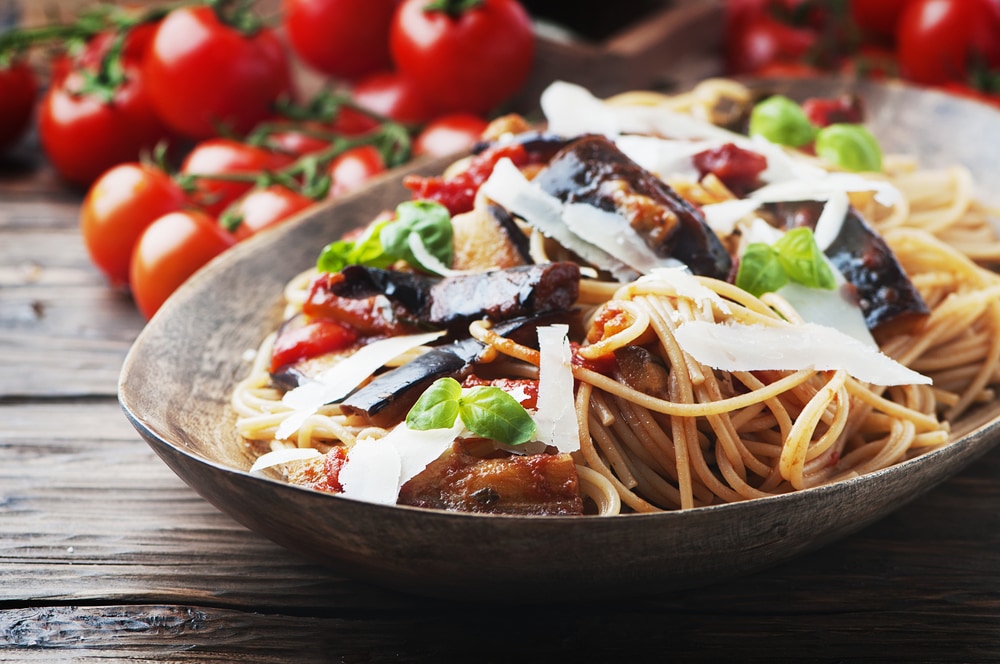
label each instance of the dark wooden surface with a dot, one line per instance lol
(106, 555)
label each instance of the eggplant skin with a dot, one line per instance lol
(593, 170)
(888, 299)
(454, 302)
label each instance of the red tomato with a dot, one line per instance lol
(133, 50)
(318, 337)
(204, 74)
(469, 61)
(173, 248)
(84, 135)
(296, 142)
(393, 96)
(449, 134)
(340, 38)
(221, 156)
(18, 87)
(945, 40)
(262, 208)
(120, 205)
(877, 18)
(352, 123)
(762, 40)
(353, 168)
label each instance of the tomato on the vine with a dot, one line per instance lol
(449, 134)
(466, 55)
(393, 96)
(169, 251)
(760, 41)
(340, 38)
(352, 168)
(262, 208)
(878, 18)
(205, 75)
(225, 156)
(18, 87)
(119, 206)
(85, 132)
(948, 40)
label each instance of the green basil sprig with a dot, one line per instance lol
(765, 268)
(485, 410)
(386, 242)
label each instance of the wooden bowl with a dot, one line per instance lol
(176, 383)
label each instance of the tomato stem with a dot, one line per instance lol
(453, 8)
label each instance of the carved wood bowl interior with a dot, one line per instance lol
(176, 382)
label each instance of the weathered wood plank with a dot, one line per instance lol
(485, 634)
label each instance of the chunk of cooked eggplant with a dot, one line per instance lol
(389, 396)
(454, 302)
(593, 170)
(541, 484)
(888, 299)
(487, 237)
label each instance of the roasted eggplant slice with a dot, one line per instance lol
(888, 299)
(537, 484)
(387, 398)
(593, 170)
(454, 302)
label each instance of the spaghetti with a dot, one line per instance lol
(659, 429)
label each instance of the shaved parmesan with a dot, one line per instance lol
(278, 457)
(665, 158)
(556, 415)
(740, 347)
(336, 382)
(571, 110)
(614, 234)
(376, 468)
(508, 187)
(722, 217)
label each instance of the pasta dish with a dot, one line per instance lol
(653, 302)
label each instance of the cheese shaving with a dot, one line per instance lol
(338, 381)
(741, 347)
(556, 415)
(278, 457)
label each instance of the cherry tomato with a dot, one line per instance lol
(297, 141)
(169, 251)
(301, 341)
(946, 40)
(877, 19)
(18, 87)
(120, 205)
(204, 74)
(351, 122)
(466, 60)
(262, 208)
(393, 96)
(353, 168)
(221, 156)
(340, 38)
(134, 49)
(449, 134)
(762, 41)
(84, 135)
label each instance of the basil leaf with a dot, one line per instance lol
(803, 261)
(781, 120)
(366, 250)
(431, 221)
(492, 413)
(849, 146)
(760, 270)
(437, 407)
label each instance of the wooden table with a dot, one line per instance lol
(105, 554)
